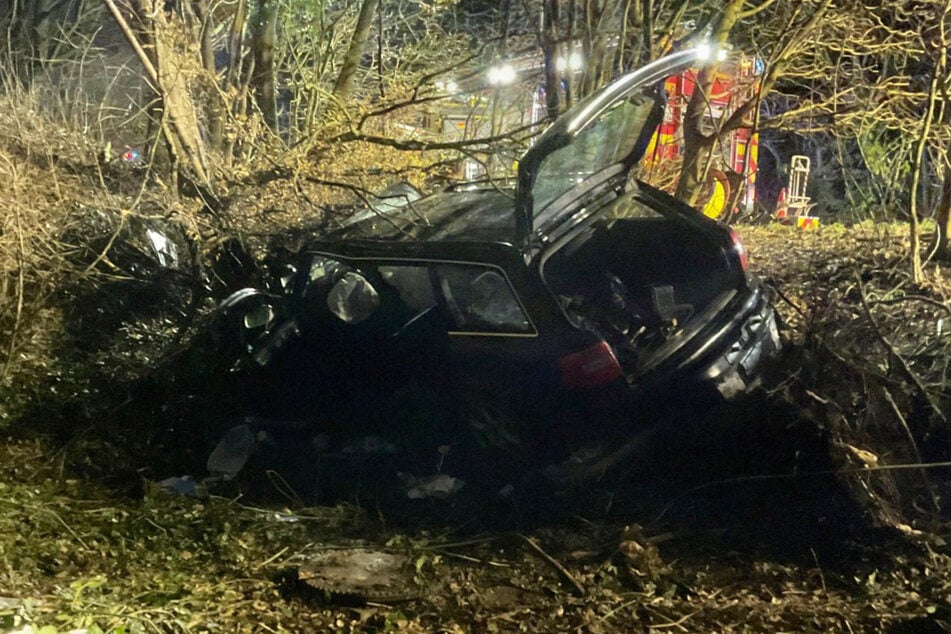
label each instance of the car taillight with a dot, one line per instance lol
(595, 365)
(740, 250)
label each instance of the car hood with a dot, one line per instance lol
(593, 146)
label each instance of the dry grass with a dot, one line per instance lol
(872, 358)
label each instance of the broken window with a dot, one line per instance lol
(323, 271)
(480, 299)
(413, 285)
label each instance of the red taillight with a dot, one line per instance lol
(593, 366)
(739, 249)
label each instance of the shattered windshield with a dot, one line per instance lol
(485, 214)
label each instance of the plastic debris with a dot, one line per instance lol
(439, 486)
(232, 452)
(184, 485)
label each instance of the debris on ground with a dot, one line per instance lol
(232, 452)
(360, 574)
(438, 486)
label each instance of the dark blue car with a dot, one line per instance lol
(580, 285)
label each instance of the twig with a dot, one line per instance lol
(104, 254)
(624, 605)
(822, 577)
(913, 298)
(914, 447)
(474, 560)
(281, 486)
(476, 541)
(678, 623)
(775, 285)
(570, 578)
(133, 41)
(769, 477)
(272, 558)
(21, 269)
(902, 362)
(64, 525)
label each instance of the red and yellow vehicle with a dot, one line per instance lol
(734, 157)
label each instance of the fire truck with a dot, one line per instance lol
(734, 157)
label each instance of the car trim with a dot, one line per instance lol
(703, 321)
(417, 260)
(507, 335)
(749, 306)
(646, 75)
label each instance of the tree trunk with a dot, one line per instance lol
(169, 70)
(264, 36)
(31, 26)
(351, 62)
(636, 35)
(697, 145)
(595, 48)
(943, 214)
(235, 33)
(549, 42)
(943, 217)
(938, 79)
(232, 78)
(205, 29)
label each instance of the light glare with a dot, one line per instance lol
(502, 74)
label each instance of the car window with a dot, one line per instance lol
(412, 283)
(610, 139)
(480, 299)
(323, 271)
(628, 206)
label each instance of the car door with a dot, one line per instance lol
(590, 150)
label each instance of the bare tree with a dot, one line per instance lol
(358, 42)
(795, 34)
(169, 70)
(264, 36)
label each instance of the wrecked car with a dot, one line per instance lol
(581, 285)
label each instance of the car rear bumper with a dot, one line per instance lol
(754, 338)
